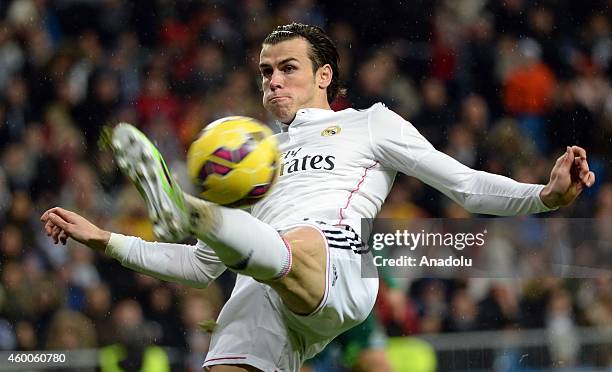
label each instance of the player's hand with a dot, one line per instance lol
(568, 178)
(61, 224)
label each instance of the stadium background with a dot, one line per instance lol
(502, 86)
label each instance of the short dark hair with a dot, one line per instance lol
(322, 51)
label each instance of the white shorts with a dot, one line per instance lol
(255, 327)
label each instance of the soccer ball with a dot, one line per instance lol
(234, 161)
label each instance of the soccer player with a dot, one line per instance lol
(298, 255)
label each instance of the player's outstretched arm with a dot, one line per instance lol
(195, 266)
(398, 145)
(569, 176)
(61, 224)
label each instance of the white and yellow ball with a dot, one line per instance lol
(234, 161)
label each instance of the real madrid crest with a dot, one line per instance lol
(331, 131)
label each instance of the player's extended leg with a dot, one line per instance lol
(294, 265)
(251, 247)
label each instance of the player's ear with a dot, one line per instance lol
(324, 76)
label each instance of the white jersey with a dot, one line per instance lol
(340, 166)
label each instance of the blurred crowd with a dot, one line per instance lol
(502, 86)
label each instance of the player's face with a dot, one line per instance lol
(288, 80)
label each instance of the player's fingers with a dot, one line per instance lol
(57, 210)
(59, 221)
(580, 168)
(49, 227)
(63, 237)
(570, 155)
(584, 170)
(590, 179)
(579, 151)
(63, 213)
(45, 216)
(582, 162)
(566, 160)
(55, 234)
